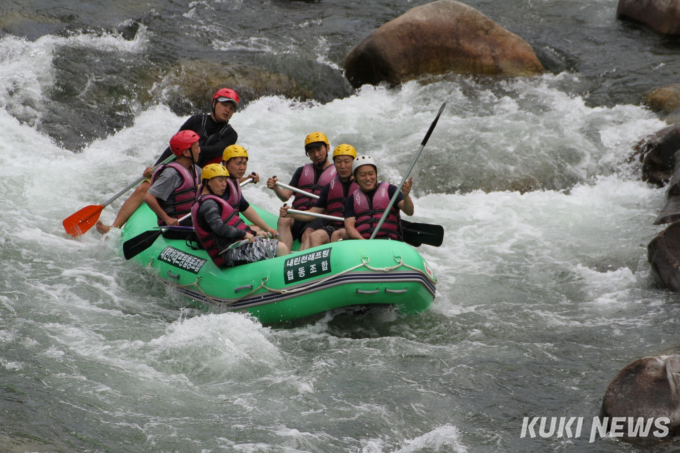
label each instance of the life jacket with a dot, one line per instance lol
(309, 183)
(369, 212)
(209, 241)
(179, 202)
(207, 140)
(234, 189)
(335, 205)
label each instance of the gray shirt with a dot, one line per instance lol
(168, 181)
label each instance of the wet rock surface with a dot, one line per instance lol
(647, 388)
(436, 38)
(662, 16)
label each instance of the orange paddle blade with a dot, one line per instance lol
(80, 222)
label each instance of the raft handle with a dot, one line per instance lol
(360, 291)
(243, 287)
(396, 291)
(171, 275)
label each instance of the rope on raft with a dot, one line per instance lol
(364, 263)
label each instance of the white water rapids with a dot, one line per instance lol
(543, 295)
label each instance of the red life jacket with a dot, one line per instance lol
(179, 202)
(309, 183)
(234, 189)
(205, 234)
(335, 205)
(369, 212)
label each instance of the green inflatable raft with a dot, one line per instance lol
(342, 274)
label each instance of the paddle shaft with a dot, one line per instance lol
(296, 190)
(314, 214)
(116, 196)
(403, 180)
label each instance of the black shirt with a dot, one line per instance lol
(349, 204)
(214, 139)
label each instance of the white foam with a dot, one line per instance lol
(443, 438)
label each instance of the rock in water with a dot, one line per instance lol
(661, 15)
(663, 253)
(440, 37)
(657, 154)
(665, 100)
(647, 388)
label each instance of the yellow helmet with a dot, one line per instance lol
(232, 151)
(345, 150)
(316, 137)
(211, 171)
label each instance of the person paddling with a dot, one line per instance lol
(174, 185)
(216, 134)
(311, 178)
(365, 208)
(218, 225)
(235, 160)
(331, 200)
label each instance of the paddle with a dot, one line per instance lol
(413, 163)
(314, 214)
(139, 243)
(80, 222)
(417, 234)
(136, 245)
(296, 190)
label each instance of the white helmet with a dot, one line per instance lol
(363, 160)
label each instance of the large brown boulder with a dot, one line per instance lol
(440, 37)
(647, 388)
(661, 15)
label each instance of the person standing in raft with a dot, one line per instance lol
(216, 134)
(218, 225)
(331, 200)
(310, 178)
(174, 185)
(365, 208)
(235, 160)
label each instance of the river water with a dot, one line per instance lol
(545, 291)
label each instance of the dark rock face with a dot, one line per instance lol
(662, 16)
(648, 388)
(663, 253)
(440, 37)
(656, 153)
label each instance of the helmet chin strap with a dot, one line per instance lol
(322, 163)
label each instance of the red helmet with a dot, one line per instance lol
(226, 95)
(183, 140)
